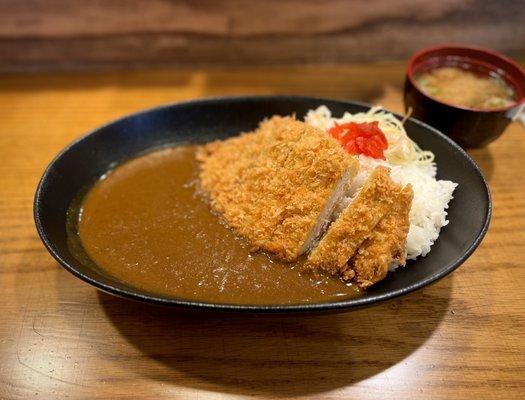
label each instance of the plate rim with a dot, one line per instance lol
(349, 304)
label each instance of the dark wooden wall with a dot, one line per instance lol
(87, 34)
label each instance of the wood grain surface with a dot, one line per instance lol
(461, 338)
(87, 34)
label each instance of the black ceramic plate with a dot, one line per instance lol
(200, 121)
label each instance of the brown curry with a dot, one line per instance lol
(146, 224)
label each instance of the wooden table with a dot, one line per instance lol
(61, 339)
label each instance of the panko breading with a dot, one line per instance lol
(234, 173)
(385, 244)
(355, 224)
(275, 185)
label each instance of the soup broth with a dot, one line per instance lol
(464, 88)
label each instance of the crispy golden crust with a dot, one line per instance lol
(354, 224)
(271, 185)
(385, 244)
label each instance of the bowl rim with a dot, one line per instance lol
(456, 46)
(351, 303)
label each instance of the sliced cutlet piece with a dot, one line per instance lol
(385, 244)
(278, 185)
(314, 178)
(355, 224)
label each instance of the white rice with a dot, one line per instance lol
(431, 196)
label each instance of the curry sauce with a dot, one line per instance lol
(146, 224)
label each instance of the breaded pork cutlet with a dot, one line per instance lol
(355, 224)
(385, 244)
(231, 172)
(278, 185)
